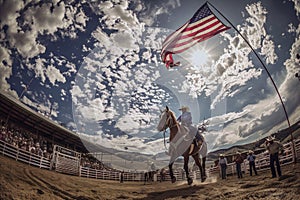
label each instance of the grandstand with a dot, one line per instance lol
(15, 112)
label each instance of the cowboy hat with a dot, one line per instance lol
(184, 108)
(250, 151)
(270, 138)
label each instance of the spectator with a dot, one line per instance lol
(238, 162)
(251, 158)
(122, 177)
(162, 174)
(223, 165)
(274, 148)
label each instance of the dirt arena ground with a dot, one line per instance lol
(21, 181)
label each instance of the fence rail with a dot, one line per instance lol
(24, 156)
(262, 163)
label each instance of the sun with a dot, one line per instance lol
(199, 57)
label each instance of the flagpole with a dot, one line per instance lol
(286, 115)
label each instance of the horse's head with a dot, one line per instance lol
(164, 118)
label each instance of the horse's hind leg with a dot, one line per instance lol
(203, 166)
(173, 178)
(186, 169)
(197, 161)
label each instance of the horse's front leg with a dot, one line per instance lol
(173, 178)
(186, 169)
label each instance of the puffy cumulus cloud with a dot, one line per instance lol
(46, 108)
(268, 50)
(26, 43)
(45, 71)
(22, 24)
(148, 14)
(54, 75)
(297, 6)
(81, 20)
(9, 11)
(124, 23)
(5, 68)
(45, 19)
(124, 40)
(23, 41)
(225, 138)
(102, 37)
(93, 111)
(117, 15)
(290, 86)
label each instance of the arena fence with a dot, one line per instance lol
(24, 156)
(67, 161)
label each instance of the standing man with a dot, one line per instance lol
(251, 158)
(223, 165)
(274, 147)
(238, 162)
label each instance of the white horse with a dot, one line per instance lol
(179, 137)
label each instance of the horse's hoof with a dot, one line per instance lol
(190, 181)
(173, 179)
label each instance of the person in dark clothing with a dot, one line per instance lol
(238, 162)
(274, 148)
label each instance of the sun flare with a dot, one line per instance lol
(199, 57)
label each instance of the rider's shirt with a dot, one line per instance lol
(185, 118)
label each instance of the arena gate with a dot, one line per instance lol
(65, 160)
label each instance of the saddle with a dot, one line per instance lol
(197, 142)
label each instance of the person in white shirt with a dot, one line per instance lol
(274, 148)
(251, 158)
(223, 165)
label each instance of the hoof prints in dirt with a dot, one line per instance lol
(39, 191)
(37, 181)
(249, 185)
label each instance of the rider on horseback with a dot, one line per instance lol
(186, 120)
(186, 117)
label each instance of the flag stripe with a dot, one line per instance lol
(203, 25)
(186, 42)
(171, 37)
(206, 30)
(188, 29)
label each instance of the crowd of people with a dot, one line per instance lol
(25, 140)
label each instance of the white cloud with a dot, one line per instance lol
(54, 75)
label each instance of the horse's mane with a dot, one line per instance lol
(173, 116)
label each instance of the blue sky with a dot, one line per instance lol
(94, 66)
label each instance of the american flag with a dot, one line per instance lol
(203, 25)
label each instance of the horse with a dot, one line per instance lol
(168, 120)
